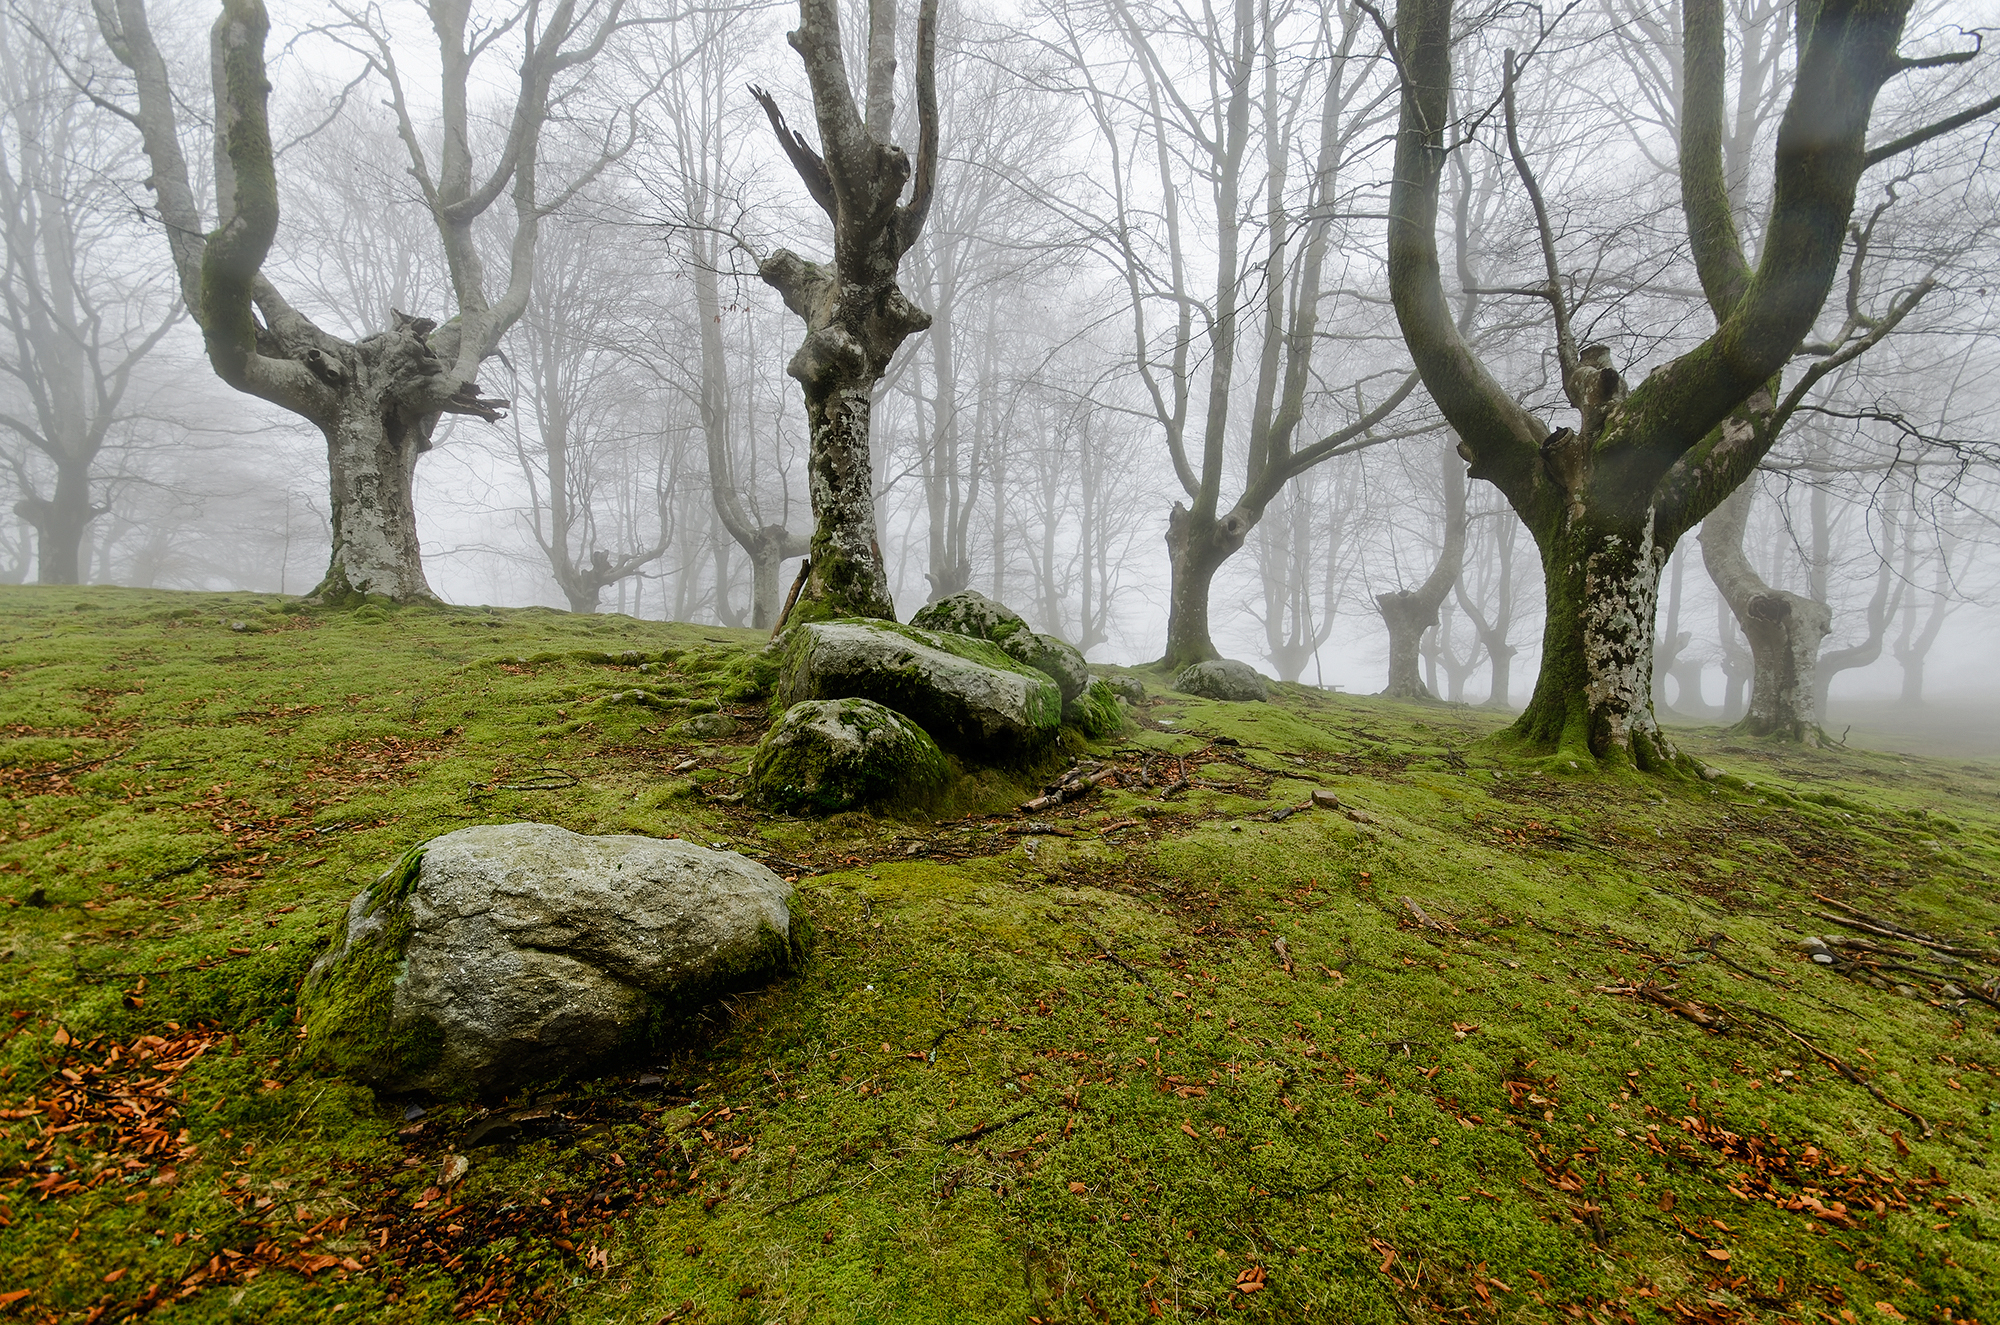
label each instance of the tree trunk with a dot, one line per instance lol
(1408, 613)
(1196, 549)
(1594, 697)
(1407, 617)
(1784, 629)
(371, 457)
(855, 315)
(60, 524)
(1501, 655)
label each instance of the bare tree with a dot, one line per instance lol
(1607, 500)
(1488, 594)
(1408, 613)
(584, 398)
(1210, 101)
(75, 320)
(377, 400)
(855, 314)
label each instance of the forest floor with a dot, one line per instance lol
(1503, 1040)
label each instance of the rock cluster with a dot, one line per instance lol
(874, 706)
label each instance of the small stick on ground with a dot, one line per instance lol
(1923, 1127)
(1125, 966)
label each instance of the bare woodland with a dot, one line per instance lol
(1647, 349)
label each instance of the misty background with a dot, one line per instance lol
(1075, 261)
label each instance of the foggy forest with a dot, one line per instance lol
(569, 567)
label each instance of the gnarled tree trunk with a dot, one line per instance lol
(1607, 501)
(856, 317)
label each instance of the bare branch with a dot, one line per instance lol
(1917, 137)
(809, 163)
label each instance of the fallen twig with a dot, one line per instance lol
(1846, 1071)
(1125, 966)
(1888, 929)
(985, 1128)
(1422, 918)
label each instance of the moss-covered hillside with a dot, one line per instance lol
(1486, 1039)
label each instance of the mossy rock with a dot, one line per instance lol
(976, 616)
(511, 953)
(708, 727)
(829, 755)
(967, 694)
(970, 613)
(1222, 678)
(1096, 712)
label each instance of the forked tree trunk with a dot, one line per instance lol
(1196, 549)
(1607, 501)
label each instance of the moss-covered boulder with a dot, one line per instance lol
(829, 755)
(1096, 712)
(1128, 688)
(970, 613)
(965, 692)
(516, 952)
(979, 617)
(1222, 678)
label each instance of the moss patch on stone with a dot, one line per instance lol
(826, 756)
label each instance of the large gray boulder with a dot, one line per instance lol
(979, 617)
(829, 755)
(1222, 678)
(965, 692)
(512, 952)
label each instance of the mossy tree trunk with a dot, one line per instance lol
(855, 314)
(1607, 501)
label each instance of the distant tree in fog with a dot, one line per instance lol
(77, 316)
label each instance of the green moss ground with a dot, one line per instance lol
(1062, 1076)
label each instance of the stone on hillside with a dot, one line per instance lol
(508, 953)
(1221, 678)
(970, 613)
(966, 693)
(1128, 688)
(979, 617)
(708, 727)
(1061, 662)
(1096, 712)
(829, 755)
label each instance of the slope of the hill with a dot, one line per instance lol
(1499, 1040)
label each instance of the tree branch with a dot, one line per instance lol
(810, 165)
(1918, 137)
